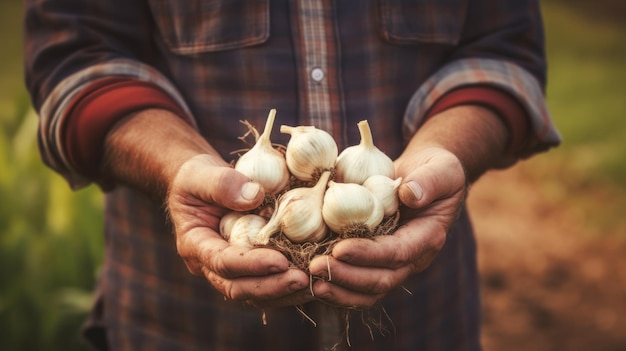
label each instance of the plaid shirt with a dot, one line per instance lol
(324, 63)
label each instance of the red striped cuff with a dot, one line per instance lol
(502, 103)
(94, 112)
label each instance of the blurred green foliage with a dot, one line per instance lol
(587, 88)
(50, 245)
(51, 238)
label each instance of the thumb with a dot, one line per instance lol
(220, 185)
(430, 182)
(234, 190)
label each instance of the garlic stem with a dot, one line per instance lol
(269, 124)
(366, 134)
(285, 129)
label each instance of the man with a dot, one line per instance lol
(144, 97)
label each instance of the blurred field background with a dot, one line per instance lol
(551, 230)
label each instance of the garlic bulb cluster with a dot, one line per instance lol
(310, 151)
(298, 215)
(357, 163)
(350, 205)
(241, 229)
(353, 191)
(263, 163)
(228, 221)
(385, 190)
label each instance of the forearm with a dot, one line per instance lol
(146, 150)
(474, 134)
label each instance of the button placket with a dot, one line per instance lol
(317, 74)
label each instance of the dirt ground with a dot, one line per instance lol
(548, 284)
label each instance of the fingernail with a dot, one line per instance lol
(416, 189)
(250, 190)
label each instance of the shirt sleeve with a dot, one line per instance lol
(500, 46)
(94, 112)
(502, 104)
(82, 108)
(72, 47)
(502, 75)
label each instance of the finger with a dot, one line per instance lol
(381, 252)
(269, 287)
(223, 186)
(441, 177)
(202, 247)
(235, 261)
(299, 297)
(359, 279)
(338, 296)
(413, 245)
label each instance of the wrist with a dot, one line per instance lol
(475, 135)
(147, 149)
(99, 107)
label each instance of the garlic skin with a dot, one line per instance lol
(310, 151)
(263, 163)
(357, 163)
(228, 221)
(298, 215)
(348, 205)
(386, 191)
(245, 230)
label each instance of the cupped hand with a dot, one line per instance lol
(359, 272)
(200, 194)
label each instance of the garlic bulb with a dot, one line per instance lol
(228, 221)
(310, 151)
(385, 190)
(359, 162)
(348, 206)
(263, 163)
(246, 229)
(298, 215)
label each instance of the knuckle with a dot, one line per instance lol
(383, 285)
(439, 241)
(400, 257)
(224, 286)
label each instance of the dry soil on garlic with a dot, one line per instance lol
(547, 283)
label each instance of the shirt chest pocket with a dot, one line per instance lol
(422, 21)
(190, 27)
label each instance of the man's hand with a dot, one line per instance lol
(199, 187)
(199, 196)
(362, 271)
(448, 152)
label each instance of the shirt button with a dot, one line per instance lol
(317, 74)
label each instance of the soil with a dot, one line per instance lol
(547, 282)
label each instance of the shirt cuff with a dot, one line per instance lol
(504, 76)
(500, 102)
(95, 110)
